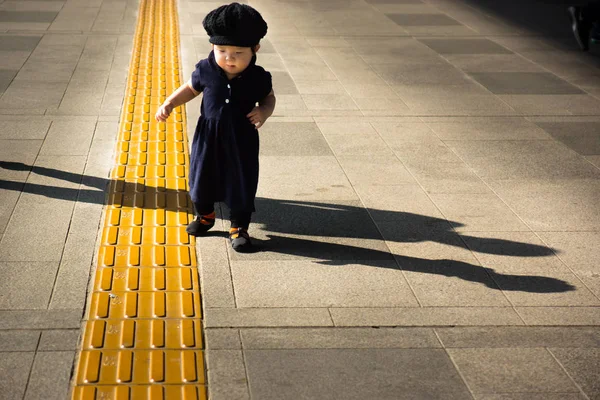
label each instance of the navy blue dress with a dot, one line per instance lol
(224, 153)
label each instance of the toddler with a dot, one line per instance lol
(238, 98)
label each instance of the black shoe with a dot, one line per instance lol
(580, 26)
(240, 240)
(201, 224)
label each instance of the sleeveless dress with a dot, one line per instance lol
(224, 153)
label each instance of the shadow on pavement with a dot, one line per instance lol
(335, 221)
(546, 18)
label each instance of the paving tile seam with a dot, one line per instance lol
(143, 331)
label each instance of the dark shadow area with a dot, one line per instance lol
(546, 18)
(325, 220)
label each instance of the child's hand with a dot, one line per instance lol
(257, 116)
(164, 111)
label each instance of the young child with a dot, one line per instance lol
(224, 152)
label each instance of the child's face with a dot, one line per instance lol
(233, 60)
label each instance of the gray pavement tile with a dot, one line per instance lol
(506, 370)
(46, 71)
(319, 87)
(493, 63)
(40, 319)
(15, 369)
(342, 219)
(594, 160)
(59, 340)
(450, 283)
(425, 316)
(292, 139)
(326, 250)
(50, 217)
(50, 375)
(283, 83)
(422, 19)
(56, 172)
(13, 59)
(425, 151)
(394, 1)
(509, 337)
(515, 83)
(465, 46)
(484, 212)
(393, 46)
(338, 338)
(19, 340)
(26, 285)
(264, 317)
(77, 134)
(553, 105)
(446, 177)
(530, 396)
(382, 106)
(44, 5)
(440, 30)
(360, 91)
(396, 133)
(564, 205)
(79, 19)
(456, 99)
(582, 137)
(545, 289)
(19, 42)
(579, 251)
(227, 375)
(486, 128)
(407, 204)
(304, 178)
(422, 74)
(282, 374)
(223, 339)
(8, 200)
(329, 102)
(33, 95)
(23, 128)
(346, 127)
(375, 170)
(17, 158)
(6, 77)
(579, 364)
(514, 252)
(415, 7)
(217, 289)
(317, 284)
(6, 27)
(358, 145)
(326, 41)
(560, 316)
(349, 76)
(70, 288)
(27, 16)
(59, 39)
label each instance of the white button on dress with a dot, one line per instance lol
(226, 100)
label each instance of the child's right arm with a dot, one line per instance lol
(181, 96)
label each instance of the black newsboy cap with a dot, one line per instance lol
(235, 25)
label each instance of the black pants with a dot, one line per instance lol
(239, 219)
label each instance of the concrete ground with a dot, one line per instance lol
(427, 215)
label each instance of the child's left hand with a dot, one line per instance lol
(257, 116)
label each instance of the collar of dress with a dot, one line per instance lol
(213, 64)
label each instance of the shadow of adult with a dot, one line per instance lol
(330, 222)
(117, 192)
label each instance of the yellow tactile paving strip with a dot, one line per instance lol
(143, 331)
